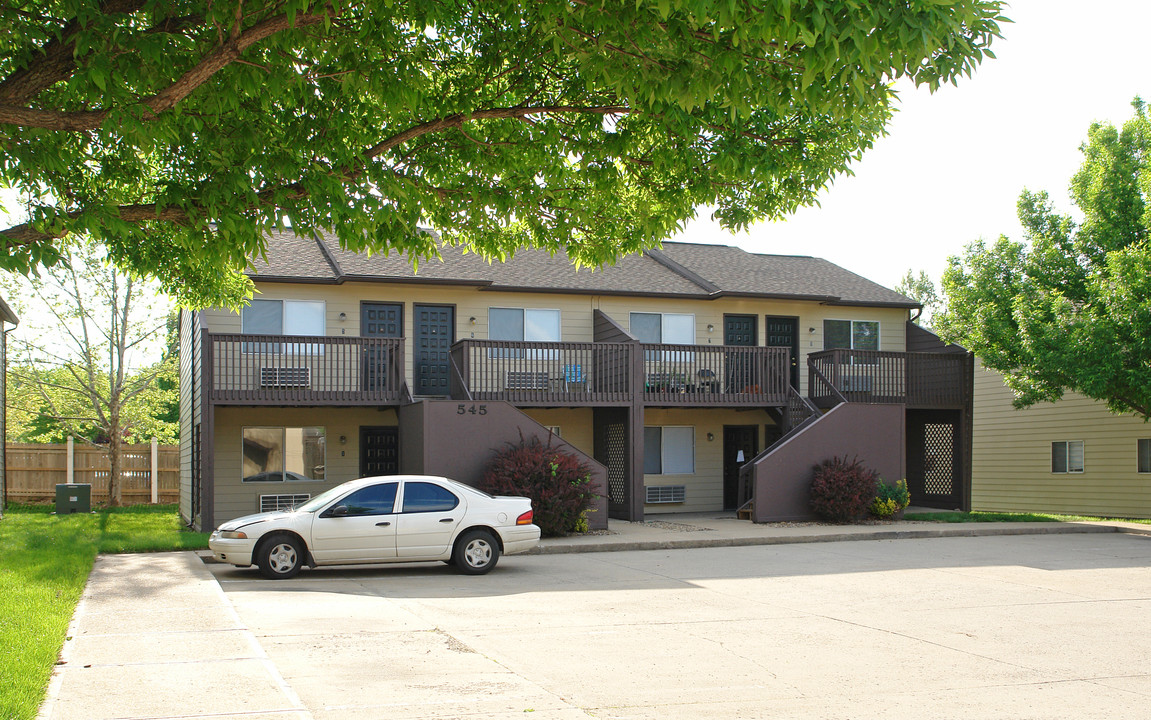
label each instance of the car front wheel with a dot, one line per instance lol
(280, 557)
(476, 552)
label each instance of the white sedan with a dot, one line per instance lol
(394, 518)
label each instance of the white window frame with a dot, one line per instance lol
(525, 310)
(1069, 470)
(663, 325)
(287, 348)
(663, 460)
(284, 445)
(851, 333)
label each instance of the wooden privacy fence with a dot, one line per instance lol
(35, 470)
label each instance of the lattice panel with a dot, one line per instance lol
(939, 470)
(615, 437)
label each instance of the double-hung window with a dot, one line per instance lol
(669, 450)
(522, 325)
(283, 317)
(1067, 456)
(276, 454)
(1144, 452)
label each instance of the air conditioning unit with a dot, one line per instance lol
(666, 494)
(856, 383)
(271, 503)
(285, 377)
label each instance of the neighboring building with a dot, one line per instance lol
(677, 371)
(7, 317)
(1072, 456)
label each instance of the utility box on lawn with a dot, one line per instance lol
(75, 498)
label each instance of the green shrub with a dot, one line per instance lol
(890, 499)
(842, 491)
(559, 485)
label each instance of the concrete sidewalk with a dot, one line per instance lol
(720, 529)
(155, 637)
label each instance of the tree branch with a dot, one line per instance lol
(169, 97)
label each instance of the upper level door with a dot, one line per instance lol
(740, 371)
(434, 330)
(784, 332)
(379, 320)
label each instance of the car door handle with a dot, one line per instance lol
(383, 524)
(446, 520)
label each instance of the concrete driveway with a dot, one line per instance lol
(1052, 626)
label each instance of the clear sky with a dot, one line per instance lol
(953, 166)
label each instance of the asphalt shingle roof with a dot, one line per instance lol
(678, 269)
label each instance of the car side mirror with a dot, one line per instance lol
(337, 511)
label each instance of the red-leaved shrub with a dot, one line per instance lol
(842, 491)
(558, 484)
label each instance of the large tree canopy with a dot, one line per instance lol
(178, 133)
(1070, 309)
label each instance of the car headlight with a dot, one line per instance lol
(233, 534)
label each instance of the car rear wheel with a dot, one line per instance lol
(476, 552)
(280, 557)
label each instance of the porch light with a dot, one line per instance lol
(343, 316)
(710, 437)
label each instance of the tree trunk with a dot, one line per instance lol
(115, 445)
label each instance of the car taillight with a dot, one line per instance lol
(525, 518)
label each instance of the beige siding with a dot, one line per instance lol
(1011, 455)
(704, 487)
(235, 497)
(576, 425)
(189, 396)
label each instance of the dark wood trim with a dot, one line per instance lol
(207, 437)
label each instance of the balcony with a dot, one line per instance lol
(715, 375)
(543, 373)
(305, 370)
(550, 374)
(918, 380)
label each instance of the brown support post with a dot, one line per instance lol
(636, 495)
(966, 428)
(207, 437)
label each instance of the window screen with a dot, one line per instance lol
(647, 327)
(263, 317)
(1144, 456)
(505, 324)
(652, 451)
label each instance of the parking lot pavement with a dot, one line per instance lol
(966, 627)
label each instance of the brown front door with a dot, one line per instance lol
(784, 332)
(379, 451)
(736, 438)
(434, 329)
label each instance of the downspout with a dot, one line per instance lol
(918, 313)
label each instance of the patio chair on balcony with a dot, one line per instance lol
(574, 378)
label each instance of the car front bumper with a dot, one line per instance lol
(231, 551)
(520, 538)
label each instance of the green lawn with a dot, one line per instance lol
(44, 562)
(960, 517)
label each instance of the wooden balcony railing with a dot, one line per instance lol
(306, 370)
(715, 375)
(923, 380)
(542, 373)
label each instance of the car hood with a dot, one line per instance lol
(253, 519)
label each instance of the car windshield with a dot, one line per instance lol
(320, 500)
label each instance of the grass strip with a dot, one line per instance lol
(964, 517)
(44, 563)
